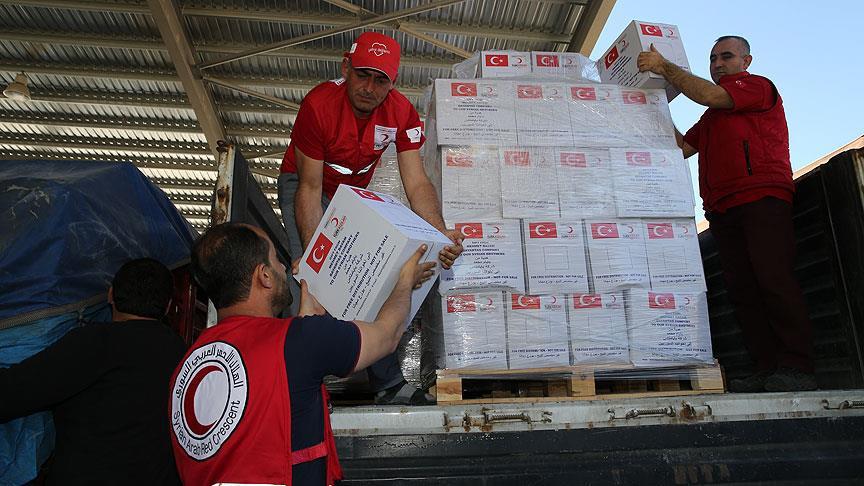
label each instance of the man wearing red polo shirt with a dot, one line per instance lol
(745, 180)
(341, 130)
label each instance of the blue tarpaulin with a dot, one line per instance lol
(65, 228)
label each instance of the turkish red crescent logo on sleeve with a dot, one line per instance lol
(319, 253)
(463, 89)
(586, 301)
(461, 303)
(661, 301)
(648, 29)
(517, 158)
(638, 158)
(528, 91)
(583, 93)
(542, 230)
(547, 60)
(660, 231)
(573, 159)
(470, 230)
(523, 302)
(632, 97)
(459, 160)
(497, 60)
(601, 231)
(611, 57)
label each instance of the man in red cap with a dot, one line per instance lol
(341, 130)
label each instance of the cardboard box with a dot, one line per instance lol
(618, 64)
(616, 254)
(651, 183)
(555, 256)
(491, 258)
(475, 335)
(542, 115)
(475, 112)
(674, 259)
(537, 331)
(504, 64)
(598, 328)
(668, 329)
(559, 64)
(647, 121)
(359, 248)
(470, 184)
(595, 112)
(585, 185)
(529, 186)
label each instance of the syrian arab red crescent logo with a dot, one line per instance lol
(208, 398)
(318, 253)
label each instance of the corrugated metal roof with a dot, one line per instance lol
(105, 88)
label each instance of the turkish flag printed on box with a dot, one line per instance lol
(600, 231)
(547, 60)
(611, 57)
(586, 301)
(493, 60)
(542, 230)
(463, 89)
(470, 230)
(319, 253)
(654, 30)
(461, 303)
(520, 301)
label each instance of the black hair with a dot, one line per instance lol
(143, 287)
(224, 259)
(743, 41)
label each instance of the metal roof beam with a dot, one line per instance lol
(201, 185)
(176, 39)
(171, 101)
(591, 21)
(262, 168)
(434, 5)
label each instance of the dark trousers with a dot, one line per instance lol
(757, 249)
(385, 372)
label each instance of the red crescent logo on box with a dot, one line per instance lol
(547, 60)
(470, 230)
(459, 160)
(586, 301)
(517, 158)
(542, 230)
(583, 93)
(601, 231)
(463, 89)
(319, 253)
(661, 301)
(519, 301)
(526, 91)
(638, 158)
(648, 29)
(573, 159)
(461, 303)
(657, 231)
(495, 60)
(367, 194)
(611, 57)
(634, 97)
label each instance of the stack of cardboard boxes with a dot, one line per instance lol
(576, 209)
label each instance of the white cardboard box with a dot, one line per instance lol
(558, 64)
(529, 186)
(668, 329)
(585, 185)
(475, 334)
(475, 112)
(618, 64)
(647, 121)
(616, 254)
(651, 183)
(470, 184)
(595, 112)
(537, 331)
(358, 249)
(674, 259)
(542, 115)
(555, 256)
(598, 328)
(504, 64)
(491, 258)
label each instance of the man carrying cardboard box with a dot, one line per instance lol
(248, 403)
(745, 180)
(341, 130)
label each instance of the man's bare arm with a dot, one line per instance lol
(307, 200)
(697, 89)
(686, 148)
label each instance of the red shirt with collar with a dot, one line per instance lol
(744, 150)
(327, 129)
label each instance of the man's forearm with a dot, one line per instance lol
(307, 214)
(424, 202)
(697, 89)
(395, 310)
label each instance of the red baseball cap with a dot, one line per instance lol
(375, 51)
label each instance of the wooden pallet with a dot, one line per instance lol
(573, 383)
